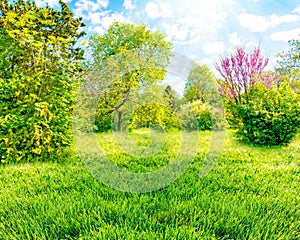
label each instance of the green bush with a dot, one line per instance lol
(203, 115)
(103, 120)
(269, 117)
(39, 72)
(32, 125)
(187, 118)
(151, 115)
(200, 116)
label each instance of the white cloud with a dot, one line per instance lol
(88, 6)
(296, 10)
(96, 18)
(277, 20)
(51, 3)
(208, 61)
(234, 39)
(192, 22)
(175, 32)
(102, 20)
(286, 35)
(214, 48)
(97, 29)
(256, 23)
(152, 10)
(157, 10)
(108, 20)
(128, 5)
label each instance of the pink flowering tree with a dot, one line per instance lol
(241, 71)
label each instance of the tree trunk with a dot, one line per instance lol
(119, 127)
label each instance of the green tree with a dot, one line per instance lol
(289, 65)
(39, 67)
(120, 40)
(153, 107)
(171, 98)
(201, 84)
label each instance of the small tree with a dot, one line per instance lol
(200, 84)
(262, 112)
(289, 65)
(241, 71)
(270, 117)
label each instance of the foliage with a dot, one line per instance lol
(154, 106)
(201, 98)
(200, 84)
(154, 115)
(120, 40)
(39, 63)
(289, 65)
(187, 118)
(200, 116)
(203, 115)
(171, 98)
(241, 71)
(270, 116)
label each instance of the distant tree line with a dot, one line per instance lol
(42, 67)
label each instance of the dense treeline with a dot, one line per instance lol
(40, 73)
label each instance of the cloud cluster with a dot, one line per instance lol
(159, 9)
(99, 16)
(189, 22)
(257, 23)
(285, 36)
(128, 5)
(84, 7)
(51, 3)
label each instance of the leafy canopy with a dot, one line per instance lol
(116, 48)
(39, 62)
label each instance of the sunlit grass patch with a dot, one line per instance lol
(250, 193)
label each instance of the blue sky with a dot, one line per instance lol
(201, 30)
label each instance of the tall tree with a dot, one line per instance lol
(118, 43)
(39, 64)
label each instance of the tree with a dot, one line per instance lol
(154, 106)
(200, 84)
(289, 65)
(171, 98)
(241, 71)
(39, 67)
(120, 40)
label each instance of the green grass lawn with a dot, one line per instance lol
(251, 193)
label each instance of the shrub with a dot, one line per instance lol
(203, 115)
(151, 115)
(269, 116)
(103, 120)
(31, 125)
(200, 116)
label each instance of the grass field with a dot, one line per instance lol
(251, 193)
